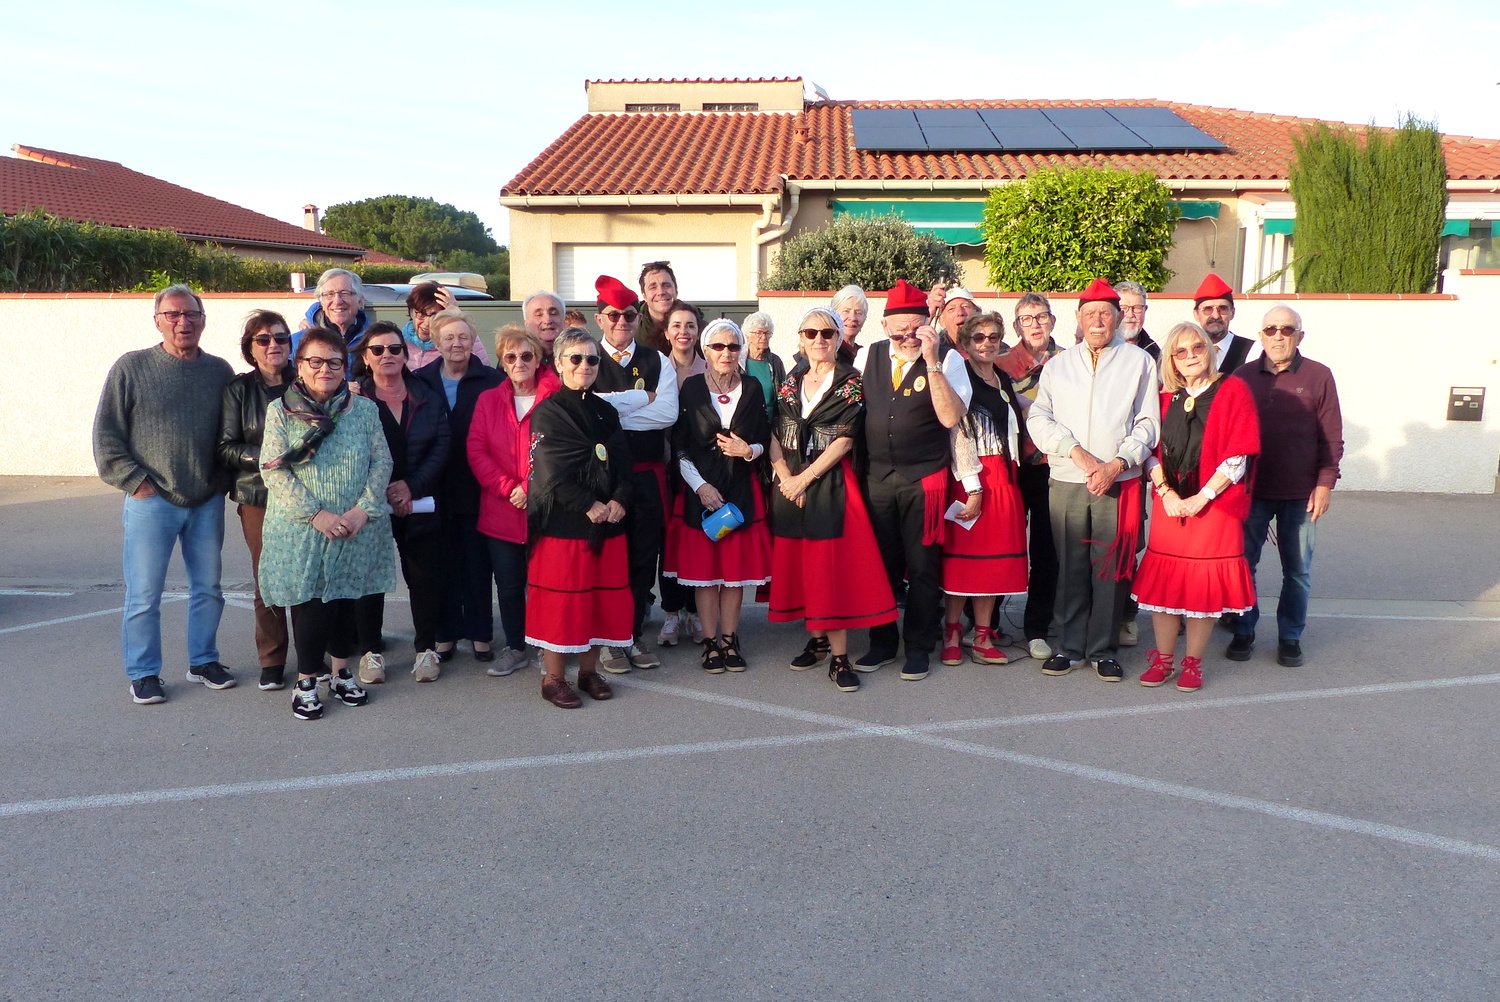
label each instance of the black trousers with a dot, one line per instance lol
(509, 562)
(645, 538)
(1041, 593)
(898, 515)
(345, 628)
(421, 566)
(468, 610)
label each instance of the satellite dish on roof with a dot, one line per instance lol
(816, 93)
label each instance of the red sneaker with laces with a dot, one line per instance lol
(1191, 679)
(1159, 669)
(984, 651)
(952, 653)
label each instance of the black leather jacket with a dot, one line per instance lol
(242, 422)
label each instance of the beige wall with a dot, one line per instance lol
(606, 95)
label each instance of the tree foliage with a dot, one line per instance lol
(413, 228)
(1369, 213)
(1060, 229)
(871, 252)
(494, 267)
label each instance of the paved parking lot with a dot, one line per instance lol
(1328, 832)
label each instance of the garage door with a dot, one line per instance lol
(705, 272)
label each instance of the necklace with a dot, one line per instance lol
(722, 391)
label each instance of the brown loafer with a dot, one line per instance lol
(559, 694)
(593, 683)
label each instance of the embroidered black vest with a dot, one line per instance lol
(902, 431)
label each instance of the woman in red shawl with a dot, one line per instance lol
(1194, 567)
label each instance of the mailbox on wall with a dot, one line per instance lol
(1466, 403)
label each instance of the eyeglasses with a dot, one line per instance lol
(731, 346)
(982, 338)
(511, 358)
(1190, 350)
(1280, 330)
(178, 316)
(1035, 321)
(814, 333)
(425, 314)
(317, 364)
(266, 340)
(338, 295)
(380, 349)
(588, 360)
(1141, 309)
(614, 317)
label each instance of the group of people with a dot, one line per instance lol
(903, 486)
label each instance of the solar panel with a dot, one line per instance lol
(1064, 118)
(1180, 137)
(949, 118)
(890, 139)
(883, 118)
(1153, 116)
(1105, 137)
(1034, 130)
(975, 137)
(1014, 118)
(1036, 139)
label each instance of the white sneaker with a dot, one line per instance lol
(1130, 634)
(371, 669)
(695, 627)
(671, 631)
(1039, 649)
(614, 660)
(508, 659)
(427, 667)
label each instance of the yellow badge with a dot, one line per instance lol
(919, 384)
(906, 393)
(601, 452)
(640, 384)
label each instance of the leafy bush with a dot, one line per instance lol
(494, 267)
(871, 252)
(1060, 229)
(1369, 215)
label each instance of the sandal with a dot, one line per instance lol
(729, 645)
(713, 658)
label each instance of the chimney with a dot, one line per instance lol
(800, 129)
(310, 220)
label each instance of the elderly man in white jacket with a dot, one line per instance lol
(1097, 417)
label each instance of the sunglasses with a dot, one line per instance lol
(629, 316)
(588, 360)
(1279, 330)
(511, 358)
(982, 338)
(1191, 350)
(731, 346)
(814, 333)
(380, 349)
(266, 340)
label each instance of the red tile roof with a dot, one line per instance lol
(747, 152)
(84, 188)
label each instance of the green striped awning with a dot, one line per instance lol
(1282, 226)
(1199, 210)
(1456, 228)
(954, 222)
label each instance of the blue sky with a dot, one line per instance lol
(272, 105)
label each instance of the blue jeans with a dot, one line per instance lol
(153, 526)
(1295, 532)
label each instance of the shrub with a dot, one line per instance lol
(871, 252)
(1369, 214)
(1060, 229)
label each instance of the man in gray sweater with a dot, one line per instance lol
(154, 438)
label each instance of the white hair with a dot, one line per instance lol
(332, 273)
(849, 295)
(562, 307)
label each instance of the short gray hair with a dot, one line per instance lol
(570, 338)
(182, 290)
(1135, 288)
(1033, 299)
(562, 307)
(850, 294)
(1278, 306)
(760, 320)
(332, 273)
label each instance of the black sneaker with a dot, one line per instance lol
(1109, 669)
(814, 654)
(148, 690)
(1057, 664)
(1240, 647)
(1288, 654)
(873, 660)
(842, 674)
(305, 702)
(273, 678)
(347, 691)
(212, 675)
(915, 668)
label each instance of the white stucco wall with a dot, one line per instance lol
(1394, 359)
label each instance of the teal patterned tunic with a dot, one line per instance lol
(352, 466)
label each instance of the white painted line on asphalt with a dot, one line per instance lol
(1321, 819)
(81, 615)
(1405, 619)
(139, 798)
(27, 591)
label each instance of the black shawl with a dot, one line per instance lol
(578, 456)
(840, 414)
(695, 437)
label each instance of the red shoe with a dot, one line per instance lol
(1192, 675)
(984, 651)
(952, 653)
(1159, 669)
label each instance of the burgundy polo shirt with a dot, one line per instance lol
(1301, 429)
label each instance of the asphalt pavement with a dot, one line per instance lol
(1327, 832)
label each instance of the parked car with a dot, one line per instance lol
(391, 295)
(462, 279)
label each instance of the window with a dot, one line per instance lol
(731, 106)
(653, 107)
(705, 272)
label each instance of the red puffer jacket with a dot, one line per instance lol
(500, 455)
